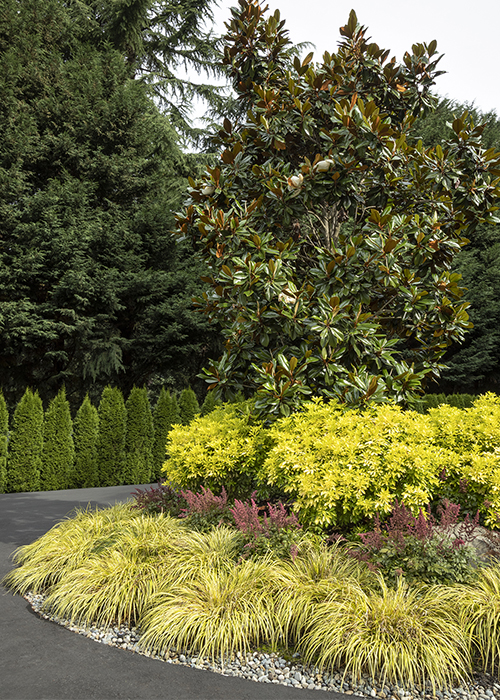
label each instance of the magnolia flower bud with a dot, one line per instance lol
(208, 190)
(295, 182)
(323, 166)
(286, 297)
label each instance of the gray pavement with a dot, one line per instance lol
(40, 660)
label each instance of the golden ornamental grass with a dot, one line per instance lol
(191, 591)
(108, 590)
(216, 614)
(479, 610)
(317, 574)
(193, 552)
(405, 635)
(65, 547)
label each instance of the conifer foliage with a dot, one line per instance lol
(166, 413)
(96, 291)
(58, 449)
(111, 440)
(25, 448)
(4, 434)
(139, 438)
(188, 406)
(86, 426)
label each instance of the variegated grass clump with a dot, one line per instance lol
(101, 566)
(215, 614)
(407, 635)
(479, 607)
(316, 574)
(65, 547)
(194, 591)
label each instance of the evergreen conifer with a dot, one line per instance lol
(26, 443)
(209, 404)
(86, 427)
(111, 437)
(166, 413)
(58, 451)
(139, 438)
(4, 434)
(188, 406)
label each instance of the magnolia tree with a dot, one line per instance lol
(328, 228)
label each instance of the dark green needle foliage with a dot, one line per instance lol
(166, 413)
(209, 404)
(138, 438)
(58, 448)
(158, 39)
(86, 428)
(4, 436)
(188, 406)
(111, 438)
(93, 287)
(25, 445)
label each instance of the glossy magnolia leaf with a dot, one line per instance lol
(390, 244)
(345, 235)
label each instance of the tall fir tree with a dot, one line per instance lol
(58, 448)
(93, 287)
(86, 429)
(139, 438)
(188, 406)
(24, 461)
(157, 38)
(4, 436)
(166, 413)
(111, 437)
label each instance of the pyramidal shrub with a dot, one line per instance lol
(4, 435)
(24, 461)
(86, 429)
(166, 413)
(189, 407)
(209, 404)
(111, 437)
(138, 438)
(58, 451)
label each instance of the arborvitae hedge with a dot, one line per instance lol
(111, 438)
(25, 446)
(188, 406)
(434, 400)
(139, 438)
(4, 433)
(209, 404)
(86, 426)
(166, 413)
(58, 448)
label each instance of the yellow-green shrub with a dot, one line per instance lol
(220, 449)
(342, 466)
(472, 436)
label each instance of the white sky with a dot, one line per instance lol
(466, 32)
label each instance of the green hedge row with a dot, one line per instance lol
(120, 442)
(434, 400)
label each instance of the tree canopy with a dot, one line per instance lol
(329, 231)
(159, 39)
(93, 287)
